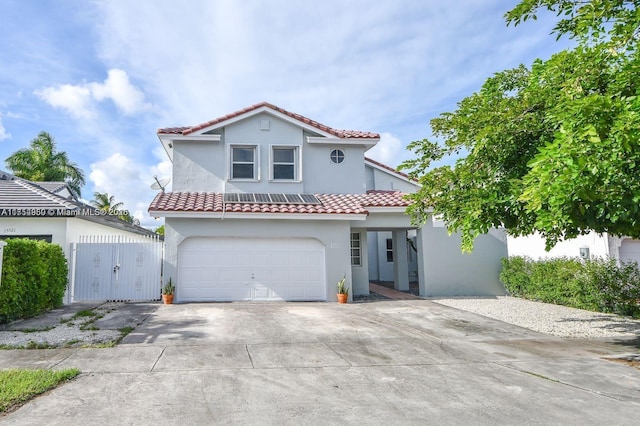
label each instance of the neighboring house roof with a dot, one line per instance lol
(329, 203)
(53, 187)
(343, 134)
(21, 194)
(23, 198)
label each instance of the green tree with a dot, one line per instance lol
(107, 203)
(41, 162)
(160, 230)
(552, 148)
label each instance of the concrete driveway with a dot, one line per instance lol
(387, 362)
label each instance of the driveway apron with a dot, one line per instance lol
(383, 362)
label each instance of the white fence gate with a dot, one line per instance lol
(116, 268)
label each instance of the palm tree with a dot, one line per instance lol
(105, 202)
(42, 163)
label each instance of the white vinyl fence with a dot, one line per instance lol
(116, 268)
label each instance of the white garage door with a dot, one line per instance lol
(227, 269)
(630, 251)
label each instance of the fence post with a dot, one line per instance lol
(2, 244)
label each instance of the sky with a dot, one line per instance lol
(102, 76)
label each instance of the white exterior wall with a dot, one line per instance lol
(203, 166)
(196, 165)
(533, 246)
(446, 271)
(322, 176)
(380, 180)
(334, 235)
(54, 226)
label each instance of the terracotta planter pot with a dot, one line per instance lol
(167, 299)
(342, 298)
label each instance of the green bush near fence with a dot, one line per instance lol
(597, 285)
(34, 278)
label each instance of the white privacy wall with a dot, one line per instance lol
(533, 246)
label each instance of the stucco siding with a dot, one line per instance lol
(449, 272)
(196, 166)
(322, 176)
(385, 181)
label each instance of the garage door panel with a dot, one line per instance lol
(227, 269)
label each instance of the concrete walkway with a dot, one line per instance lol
(391, 293)
(387, 362)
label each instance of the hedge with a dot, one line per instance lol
(597, 285)
(34, 278)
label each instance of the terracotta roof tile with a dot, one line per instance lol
(343, 134)
(329, 203)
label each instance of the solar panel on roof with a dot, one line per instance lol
(262, 198)
(278, 198)
(230, 198)
(293, 198)
(246, 198)
(309, 199)
(250, 197)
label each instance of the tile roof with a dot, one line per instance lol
(329, 203)
(343, 134)
(54, 187)
(21, 194)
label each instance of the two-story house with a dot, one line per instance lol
(270, 205)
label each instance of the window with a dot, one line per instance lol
(389, 250)
(585, 253)
(243, 162)
(337, 156)
(356, 249)
(284, 163)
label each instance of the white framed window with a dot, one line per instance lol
(285, 163)
(244, 162)
(336, 156)
(356, 249)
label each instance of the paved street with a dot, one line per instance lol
(384, 362)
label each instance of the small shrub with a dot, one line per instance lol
(34, 278)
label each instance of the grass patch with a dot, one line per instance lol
(36, 330)
(19, 386)
(84, 313)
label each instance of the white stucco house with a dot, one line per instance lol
(267, 204)
(591, 245)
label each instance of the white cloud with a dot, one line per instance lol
(388, 151)
(124, 95)
(129, 182)
(3, 132)
(78, 100)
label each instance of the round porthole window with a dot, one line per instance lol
(337, 156)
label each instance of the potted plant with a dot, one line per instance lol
(343, 290)
(167, 292)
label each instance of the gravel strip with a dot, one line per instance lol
(547, 318)
(64, 334)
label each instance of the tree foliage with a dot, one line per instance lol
(107, 203)
(554, 147)
(41, 162)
